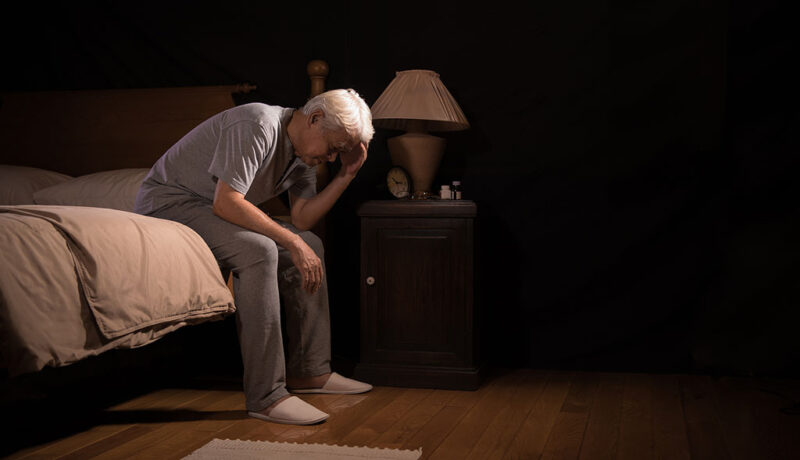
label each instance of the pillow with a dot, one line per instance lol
(18, 183)
(115, 189)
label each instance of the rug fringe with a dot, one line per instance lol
(308, 448)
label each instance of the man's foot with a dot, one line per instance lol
(333, 383)
(291, 410)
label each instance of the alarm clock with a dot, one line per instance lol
(399, 182)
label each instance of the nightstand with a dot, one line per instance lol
(418, 318)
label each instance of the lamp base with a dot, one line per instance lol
(419, 154)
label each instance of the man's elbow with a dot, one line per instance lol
(301, 222)
(300, 219)
(218, 208)
(301, 225)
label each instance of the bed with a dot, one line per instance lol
(80, 273)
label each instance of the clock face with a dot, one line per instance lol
(398, 181)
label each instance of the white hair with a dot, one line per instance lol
(343, 109)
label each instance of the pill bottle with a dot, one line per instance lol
(445, 193)
(456, 189)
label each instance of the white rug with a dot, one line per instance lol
(230, 449)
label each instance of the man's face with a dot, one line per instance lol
(316, 145)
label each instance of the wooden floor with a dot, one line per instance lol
(523, 414)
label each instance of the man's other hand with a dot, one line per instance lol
(308, 264)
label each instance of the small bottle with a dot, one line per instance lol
(456, 189)
(445, 193)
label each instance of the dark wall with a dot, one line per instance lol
(632, 165)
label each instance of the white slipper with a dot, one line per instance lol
(292, 411)
(337, 385)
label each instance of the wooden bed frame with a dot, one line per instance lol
(82, 132)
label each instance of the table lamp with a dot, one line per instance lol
(416, 102)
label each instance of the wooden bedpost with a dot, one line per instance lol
(317, 72)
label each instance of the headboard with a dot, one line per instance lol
(81, 132)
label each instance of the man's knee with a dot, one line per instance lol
(256, 249)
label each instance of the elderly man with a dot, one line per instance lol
(212, 179)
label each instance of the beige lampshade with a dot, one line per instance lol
(416, 101)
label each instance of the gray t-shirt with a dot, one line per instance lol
(246, 146)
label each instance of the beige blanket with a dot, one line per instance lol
(76, 281)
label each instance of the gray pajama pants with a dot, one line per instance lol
(263, 277)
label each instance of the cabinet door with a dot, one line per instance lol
(419, 309)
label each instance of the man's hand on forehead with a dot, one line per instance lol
(353, 159)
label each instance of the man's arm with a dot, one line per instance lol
(231, 206)
(306, 212)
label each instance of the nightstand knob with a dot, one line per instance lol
(370, 281)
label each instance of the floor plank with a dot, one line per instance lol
(433, 433)
(101, 446)
(494, 397)
(567, 435)
(702, 421)
(428, 438)
(504, 425)
(636, 424)
(398, 435)
(530, 439)
(739, 422)
(600, 440)
(383, 419)
(670, 439)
